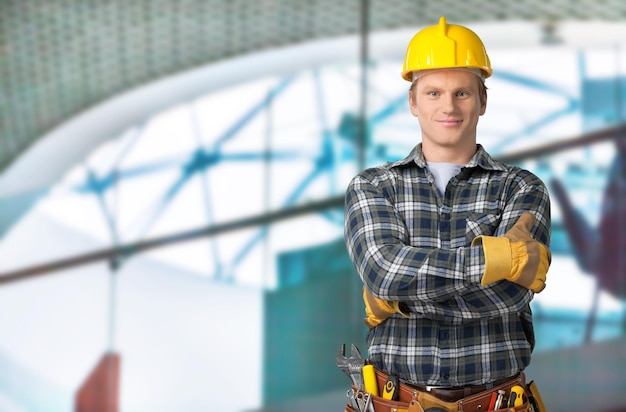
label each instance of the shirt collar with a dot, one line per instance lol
(481, 158)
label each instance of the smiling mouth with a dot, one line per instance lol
(450, 122)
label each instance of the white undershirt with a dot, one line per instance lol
(443, 172)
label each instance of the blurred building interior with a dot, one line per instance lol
(171, 192)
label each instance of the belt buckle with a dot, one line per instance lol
(430, 388)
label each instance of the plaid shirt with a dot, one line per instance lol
(410, 244)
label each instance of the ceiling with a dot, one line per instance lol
(59, 58)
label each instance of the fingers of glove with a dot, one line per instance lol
(545, 259)
(537, 286)
(377, 307)
(372, 321)
(531, 261)
(521, 229)
(376, 310)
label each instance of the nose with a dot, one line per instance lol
(448, 103)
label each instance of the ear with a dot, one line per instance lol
(483, 104)
(412, 102)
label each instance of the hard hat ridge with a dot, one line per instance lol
(443, 26)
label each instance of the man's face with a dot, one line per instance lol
(448, 104)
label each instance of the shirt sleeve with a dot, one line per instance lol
(527, 193)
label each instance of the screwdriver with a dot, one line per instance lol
(499, 399)
(492, 402)
(517, 396)
(369, 378)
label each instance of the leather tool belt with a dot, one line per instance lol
(467, 399)
(456, 394)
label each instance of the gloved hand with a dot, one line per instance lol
(377, 310)
(516, 256)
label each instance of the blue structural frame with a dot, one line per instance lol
(337, 146)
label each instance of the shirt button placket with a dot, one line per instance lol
(444, 343)
(444, 224)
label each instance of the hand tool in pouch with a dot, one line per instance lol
(516, 398)
(492, 402)
(536, 401)
(353, 402)
(352, 366)
(500, 399)
(369, 378)
(391, 389)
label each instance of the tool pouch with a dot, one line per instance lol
(413, 400)
(409, 399)
(480, 401)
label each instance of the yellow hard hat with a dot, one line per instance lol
(445, 46)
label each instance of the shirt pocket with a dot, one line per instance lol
(480, 224)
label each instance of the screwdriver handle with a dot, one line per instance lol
(516, 398)
(369, 379)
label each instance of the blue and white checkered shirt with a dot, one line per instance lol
(410, 244)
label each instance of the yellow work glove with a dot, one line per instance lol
(377, 310)
(516, 256)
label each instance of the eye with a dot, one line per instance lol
(432, 93)
(462, 93)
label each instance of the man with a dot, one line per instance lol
(450, 244)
